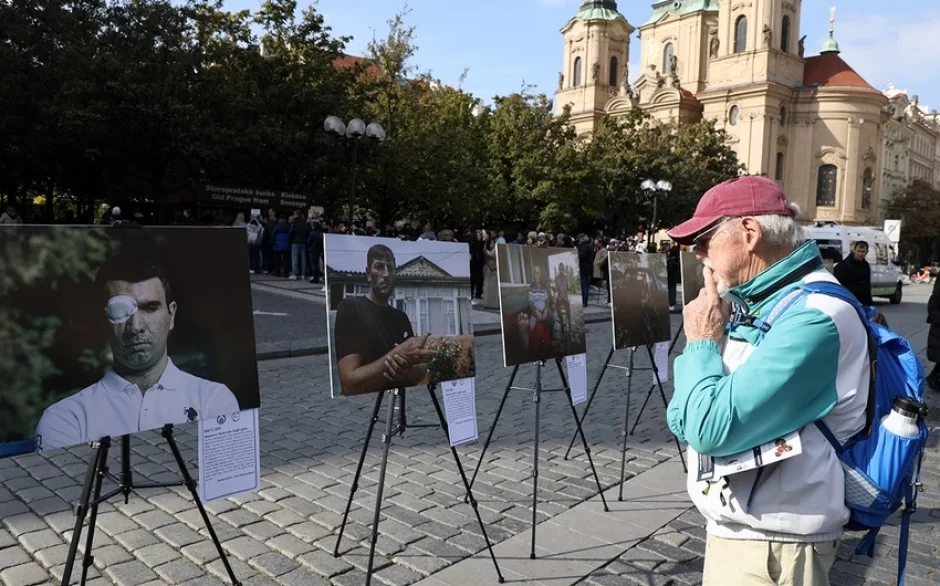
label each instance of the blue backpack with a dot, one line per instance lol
(882, 470)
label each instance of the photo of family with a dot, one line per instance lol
(640, 299)
(109, 331)
(693, 280)
(398, 313)
(541, 313)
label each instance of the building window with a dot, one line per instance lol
(614, 68)
(826, 186)
(783, 115)
(740, 34)
(897, 162)
(785, 34)
(868, 179)
(668, 52)
(733, 114)
(778, 173)
(576, 77)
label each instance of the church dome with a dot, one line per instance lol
(598, 10)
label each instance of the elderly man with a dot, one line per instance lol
(779, 524)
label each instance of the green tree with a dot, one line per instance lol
(918, 208)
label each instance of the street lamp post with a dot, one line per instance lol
(353, 132)
(654, 187)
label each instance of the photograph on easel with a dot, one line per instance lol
(541, 313)
(107, 331)
(398, 313)
(640, 299)
(693, 280)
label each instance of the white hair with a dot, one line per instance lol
(783, 232)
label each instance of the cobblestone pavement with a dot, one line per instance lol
(304, 326)
(285, 533)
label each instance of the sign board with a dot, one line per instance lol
(893, 230)
(252, 197)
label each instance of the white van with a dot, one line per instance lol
(835, 242)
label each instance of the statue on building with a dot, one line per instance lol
(595, 71)
(674, 70)
(713, 46)
(561, 81)
(768, 35)
(802, 45)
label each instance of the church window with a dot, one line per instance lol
(826, 185)
(897, 162)
(668, 52)
(868, 179)
(740, 34)
(576, 76)
(785, 34)
(614, 68)
(783, 115)
(778, 173)
(733, 114)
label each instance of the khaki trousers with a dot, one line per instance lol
(733, 562)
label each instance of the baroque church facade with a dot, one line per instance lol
(810, 122)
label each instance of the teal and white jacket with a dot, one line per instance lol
(729, 397)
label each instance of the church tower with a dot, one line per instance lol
(594, 67)
(757, 42)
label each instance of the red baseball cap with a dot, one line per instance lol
(734, 198)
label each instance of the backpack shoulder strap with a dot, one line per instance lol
(840, 292)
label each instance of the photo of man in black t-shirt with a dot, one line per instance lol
(376, 348)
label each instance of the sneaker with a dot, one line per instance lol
(251, 272)
(292, 278)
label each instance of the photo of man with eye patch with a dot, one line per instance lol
(143, 389)
(116, 330)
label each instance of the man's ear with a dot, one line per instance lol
(172, 309)
(752, 233)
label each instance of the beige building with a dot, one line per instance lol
(911, 145)
(812, 123)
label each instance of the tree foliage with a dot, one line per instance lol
(918, 208)
(124, 102)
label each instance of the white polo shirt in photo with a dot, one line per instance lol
(115, 407)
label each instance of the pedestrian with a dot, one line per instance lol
(854, 273)
(933, 337)
(299, 232)
(673, 274)
(778, 524)
(255, 235)
(586, 266)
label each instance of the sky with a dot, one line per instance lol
(506, 44)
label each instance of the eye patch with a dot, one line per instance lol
(120, 308)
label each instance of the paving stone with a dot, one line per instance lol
(155, 519)
(130, 574)
(245, 548)
(26, 523)
(308, 531)
(289, 546)
(178, 535)
(262, 531)
(115, 523)
(110, 555)
(273, 564)
(396, 575)
(33, 542)
(299, 577)
(201, 553)
(157, 554)
(178, 571)
(6, 540)
(324, 564)
(136, 539)
(24, 575)
(12, 557)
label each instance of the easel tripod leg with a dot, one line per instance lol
(535, 452)
(94, 465)
(580, 432)
(355, 482)
(489, 436)
(191, 485)
(626, 424)
(466, 483)
(676, 338)
(380, 490)
(587, 407)
(662, 394)
(89, 558)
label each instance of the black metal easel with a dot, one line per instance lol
(97, 471)
(626, 420)
(676, 337)
(537, 396)
(398, 396)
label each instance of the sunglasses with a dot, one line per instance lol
(704, 238)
